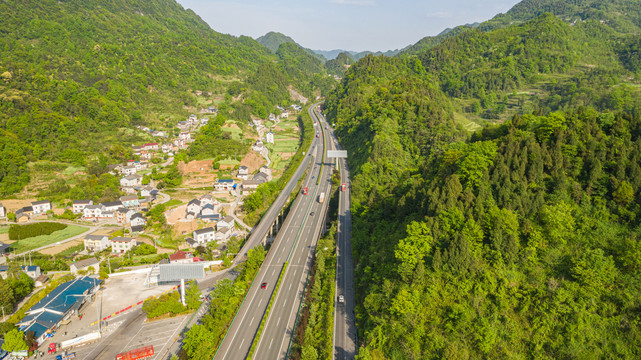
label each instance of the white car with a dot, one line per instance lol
(341, 299)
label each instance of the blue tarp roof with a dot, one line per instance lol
(47, 312)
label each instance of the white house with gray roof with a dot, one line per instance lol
(205, 235)
(41, 207)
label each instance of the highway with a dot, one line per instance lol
(345, 338)
(294, 244)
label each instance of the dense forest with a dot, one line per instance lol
(521, 239)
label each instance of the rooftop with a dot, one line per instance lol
(204, 231)
(85, 263)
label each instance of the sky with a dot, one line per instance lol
(356, 25)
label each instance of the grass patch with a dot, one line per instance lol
(72, 250)
(42, 240)
(173, 202)
(4, 230)
(229, 161)
(289, 145)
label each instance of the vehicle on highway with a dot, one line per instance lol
(305, 190)
(317, 135)
(341, 298)
(311, 213)
(321, 198)
(140, 353)
(263, 285)
(344, 187)
(65, 356)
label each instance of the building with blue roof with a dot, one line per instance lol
(59, 304)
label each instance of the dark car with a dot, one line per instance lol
(263, 285)
(311, 213)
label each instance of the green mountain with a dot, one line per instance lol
(429, 42)
(518, 239)
(340, 64)
(273, 40)
(77, 76)
(623, 16)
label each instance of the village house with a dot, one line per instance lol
(123, 215)
(181, 257)
(151, 147)
(205, 235)
(166, 148)
(79, 205)
(284, 115)
(41, 280)
(138, 220)
(128, 170)
(3, 211)
(204, 121)
(130, 201)
(92, 211)
(269, 137)
(146, 191)
(260, 177)
(258, 146)
(146, 155)
(184, 136)
(193, 206)
(207, 199)
(22, 218)
(131, 180)
(136, 149)
(32, 271)
(96, 243)
(224, 234)
(243, 172)
(272, 117)
(112, 206)
(224, 185)
(249, 186)
(40, 207)
(267, 171)
(84, 265)
(208, 213)
(120, 245)
(158, 133)
(145, 204)
(226, 222)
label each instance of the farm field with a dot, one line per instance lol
(42, 240)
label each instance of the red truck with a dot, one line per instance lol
(140, 353)
(305, 190)
(344, 187)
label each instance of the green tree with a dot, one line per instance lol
(14, 341)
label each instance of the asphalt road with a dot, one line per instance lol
(294, 244)
(345, 339)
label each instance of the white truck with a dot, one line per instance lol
(80, 340)
(321, 198)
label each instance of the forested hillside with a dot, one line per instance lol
(520, 240)
(74, 72)
(340, 64)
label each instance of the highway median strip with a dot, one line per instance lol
(266, 315)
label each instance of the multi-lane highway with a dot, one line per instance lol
(294, 244)
(344, 321)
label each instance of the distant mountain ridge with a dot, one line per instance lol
(356, 55)
(273, 40)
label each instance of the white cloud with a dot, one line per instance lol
(354, 2)
(439, 15)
